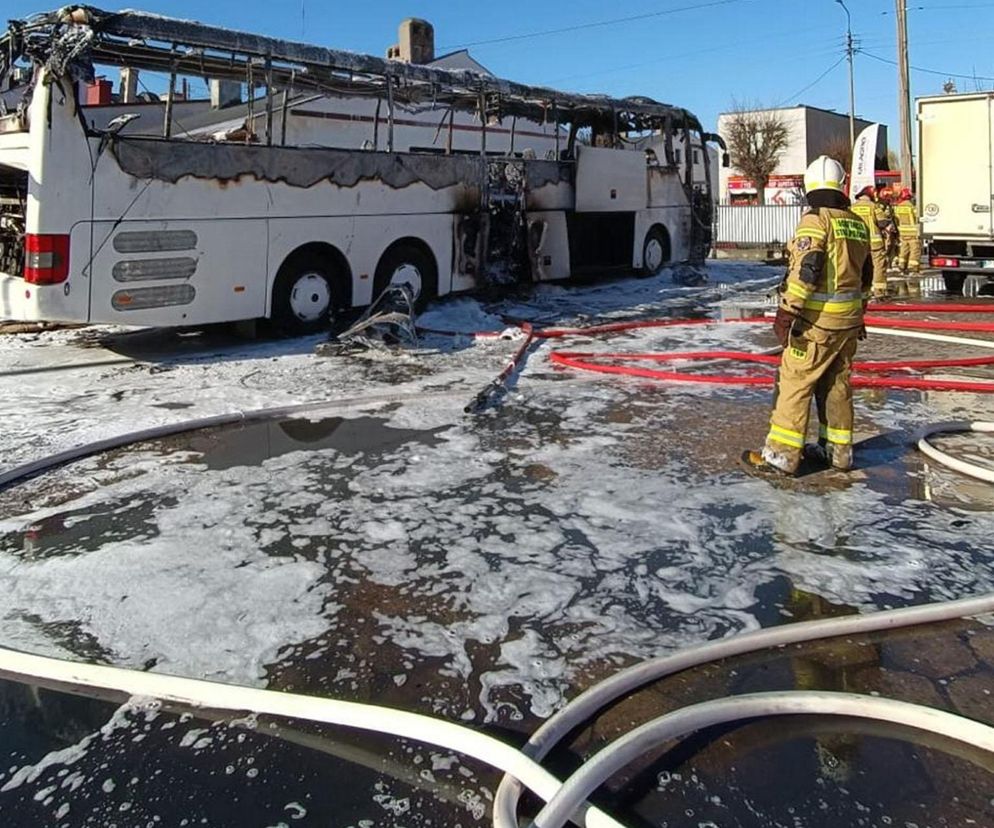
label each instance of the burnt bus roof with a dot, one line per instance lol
(71, 40)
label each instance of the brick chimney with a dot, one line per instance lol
(417, 42)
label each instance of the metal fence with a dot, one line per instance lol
(766, 225)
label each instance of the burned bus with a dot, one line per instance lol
(170, 211)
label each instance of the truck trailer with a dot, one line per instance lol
(956, 186)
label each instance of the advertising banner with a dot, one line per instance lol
(864, 156)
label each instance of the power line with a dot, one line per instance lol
(813, 83)
(595, 25)
(926, 71)
(719, 47)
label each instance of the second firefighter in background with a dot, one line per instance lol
(876, 217)
(819, 321)
(909, 257)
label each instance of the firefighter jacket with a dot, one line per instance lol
(868, 210)
(884, 216)
(830, 272)
(906, 217)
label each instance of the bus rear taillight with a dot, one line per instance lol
(46, 259)
(940, 261)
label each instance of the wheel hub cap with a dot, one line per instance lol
(653, 254)
(408, 274)
(310, 298)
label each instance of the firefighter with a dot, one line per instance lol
(866, 207)
(886, 198)
(909, 259)
(818, 322)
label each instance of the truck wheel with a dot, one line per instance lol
(411, 265)
(655, 252)
(305, 297)
(954, 282)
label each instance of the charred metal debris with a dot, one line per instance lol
(72, 40)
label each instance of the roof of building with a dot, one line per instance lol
(800, 106)
(460, 59)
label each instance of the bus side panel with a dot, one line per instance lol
(287, 235)
(362, 241)
(178, 272)
(675, 219)
(668, 207)
(548, 245)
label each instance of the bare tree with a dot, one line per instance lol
(839, 148)
(756, 139)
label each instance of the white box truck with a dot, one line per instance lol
(955, 186)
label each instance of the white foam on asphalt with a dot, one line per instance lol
(531, 536)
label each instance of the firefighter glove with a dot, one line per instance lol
(781, 326)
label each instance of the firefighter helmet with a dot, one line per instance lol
(886, 194)
(905, 194)
(824, 173)
(870, 191)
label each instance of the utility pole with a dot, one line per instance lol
(904, 94)
(850, 52)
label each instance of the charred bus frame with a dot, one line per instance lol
(66, 46)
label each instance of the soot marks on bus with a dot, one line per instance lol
(171, 161)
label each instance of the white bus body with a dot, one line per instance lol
(139, 230)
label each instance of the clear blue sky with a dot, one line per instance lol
(754, 51)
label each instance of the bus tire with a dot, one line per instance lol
(954, 282)
(656, 251)
(411, 263)
(306, 295)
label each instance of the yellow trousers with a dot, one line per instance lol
(818, 364)
(909, 257)
(879, 256)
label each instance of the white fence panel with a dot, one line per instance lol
(757, 225)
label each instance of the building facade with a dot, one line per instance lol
(812, 132)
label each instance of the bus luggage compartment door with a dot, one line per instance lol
(611, 180)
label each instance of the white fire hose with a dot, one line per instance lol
(566, 800)
(974, 470)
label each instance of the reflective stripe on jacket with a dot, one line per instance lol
(907, 219)
(867, 210)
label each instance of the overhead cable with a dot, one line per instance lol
(595, 24)
(926, 71)
(813, 83)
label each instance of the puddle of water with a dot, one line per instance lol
(140, 765)
(253, 444)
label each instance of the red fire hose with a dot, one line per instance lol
(606, 363)
(602, 362)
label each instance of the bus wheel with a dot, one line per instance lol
(304, 297)
(954, 282)
(655, 251)
(408, 264)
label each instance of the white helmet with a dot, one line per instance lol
(824, 173)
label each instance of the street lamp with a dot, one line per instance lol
(850, 51)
